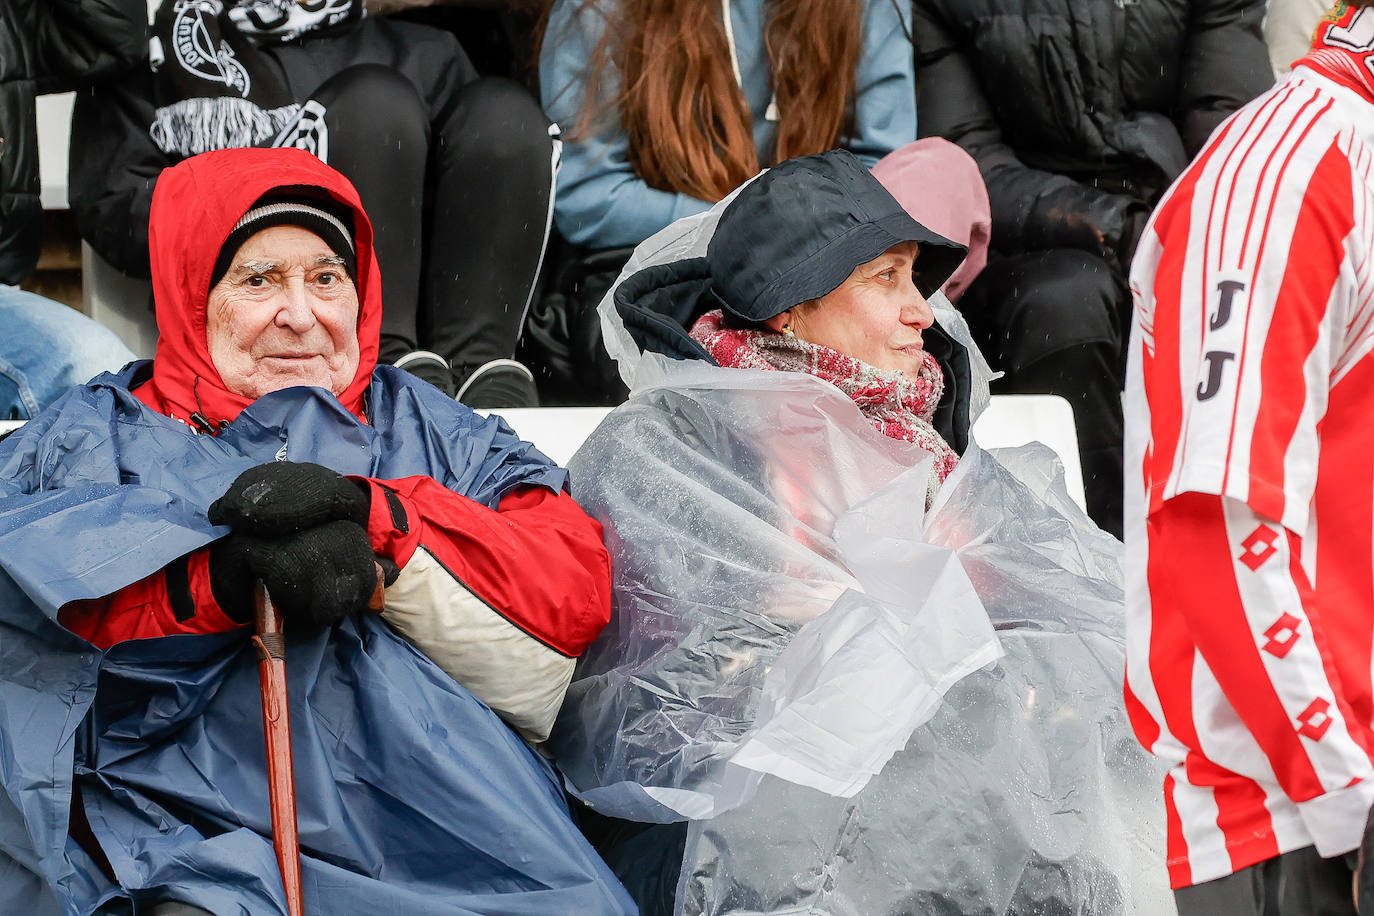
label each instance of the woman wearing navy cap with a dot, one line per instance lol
(855, 663)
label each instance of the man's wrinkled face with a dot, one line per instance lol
(284, 314)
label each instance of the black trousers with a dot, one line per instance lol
(455, 173)
(1056, 322)
(1297, 883)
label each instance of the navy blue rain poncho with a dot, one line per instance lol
(412, 796)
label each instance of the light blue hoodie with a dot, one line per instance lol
(601, 203)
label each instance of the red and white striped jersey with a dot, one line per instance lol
(1250, 483)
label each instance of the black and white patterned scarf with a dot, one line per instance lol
(212, 87)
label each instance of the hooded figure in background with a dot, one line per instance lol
(133, 759)
(855, 664)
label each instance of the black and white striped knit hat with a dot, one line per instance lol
(330, 220)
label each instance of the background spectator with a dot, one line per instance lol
(667, 107)
(49, 46)
(939, 185)
(1079, 116)
(456, 171)
(47, 348)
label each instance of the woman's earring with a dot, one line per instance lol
(787, 331)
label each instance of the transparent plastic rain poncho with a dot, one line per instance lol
(862, 707)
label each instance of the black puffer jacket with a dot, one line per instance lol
(50, 46)
(1081, 112)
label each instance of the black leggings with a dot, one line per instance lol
(455, 173)
(1056, 323)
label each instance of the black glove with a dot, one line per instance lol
(1132, 227)
(316, 577)
(274, 499)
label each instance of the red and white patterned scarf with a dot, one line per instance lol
(899, 407)
(1343, 48)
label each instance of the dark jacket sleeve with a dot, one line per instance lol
(1031, 209)
(79, 41)
(110, 193)
(1226, 64)
(47, 46)
(21, 209)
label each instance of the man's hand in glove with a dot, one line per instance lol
(283, 497)
(316, 577)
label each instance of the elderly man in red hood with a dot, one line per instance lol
(264, 443)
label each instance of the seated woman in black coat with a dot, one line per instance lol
(1079, 115)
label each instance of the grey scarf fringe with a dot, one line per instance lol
(193, 126)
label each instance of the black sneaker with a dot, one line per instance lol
(499, 383)
(429, 367)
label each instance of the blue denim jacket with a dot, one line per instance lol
(47, 348)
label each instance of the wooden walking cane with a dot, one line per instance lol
(276, 724)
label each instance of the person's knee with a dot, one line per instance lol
(1075, 285)
(50, 347)
(506, 117)
(1083, 374)
(1063, 299)
(376, 104)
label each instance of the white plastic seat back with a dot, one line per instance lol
(123, 304)
(1013, 419)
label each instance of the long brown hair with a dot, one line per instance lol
(687, 119)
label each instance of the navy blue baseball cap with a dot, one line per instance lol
(798, 231)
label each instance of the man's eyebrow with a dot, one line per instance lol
(251, 268)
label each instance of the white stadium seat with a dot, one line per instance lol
(1013, 419)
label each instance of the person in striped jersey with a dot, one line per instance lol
(1250, 491)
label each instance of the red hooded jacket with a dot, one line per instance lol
(195, 207)
(465, 595)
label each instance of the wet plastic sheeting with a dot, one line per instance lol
(1025, 794)
(786, 619)
(765, 621)
(1017, 798)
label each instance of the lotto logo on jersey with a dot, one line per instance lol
(1281, 635)
(1315, 720)
(1259, 547)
